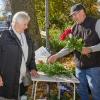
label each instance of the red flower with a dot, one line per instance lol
(65, 34)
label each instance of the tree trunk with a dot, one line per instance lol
(28, 6)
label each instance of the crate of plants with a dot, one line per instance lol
(58, 69)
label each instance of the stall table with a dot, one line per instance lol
(45, 78)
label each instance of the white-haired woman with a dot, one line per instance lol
(16, 56)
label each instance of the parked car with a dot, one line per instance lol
(3, 25)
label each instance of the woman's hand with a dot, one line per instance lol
(34, 73)
(1, 81)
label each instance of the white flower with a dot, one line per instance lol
(70, 35)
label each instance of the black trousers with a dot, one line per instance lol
(23, 89)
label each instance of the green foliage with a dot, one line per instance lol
(55, 43)
(53, 97)
(55, 20)
(59, 11)
(74, 43)
(57, 15)
(54, 69)
(40, 12)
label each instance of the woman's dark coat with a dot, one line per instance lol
(10, 62)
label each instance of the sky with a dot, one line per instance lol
(1, 4)
(1, 1)
(1, 7)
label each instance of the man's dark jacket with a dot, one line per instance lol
(86, 31)
(10, 62)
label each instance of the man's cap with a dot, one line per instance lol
(75, 8)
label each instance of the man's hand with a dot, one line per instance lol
(52, 58)
(86, 51)
(34, 73)
(1, 81)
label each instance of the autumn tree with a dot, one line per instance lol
(60, 10)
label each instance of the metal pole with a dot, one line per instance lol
(47, 23)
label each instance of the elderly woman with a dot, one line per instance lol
(16, 56)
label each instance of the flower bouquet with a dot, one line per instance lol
(72, 42)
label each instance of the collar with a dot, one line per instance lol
(17, 34)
